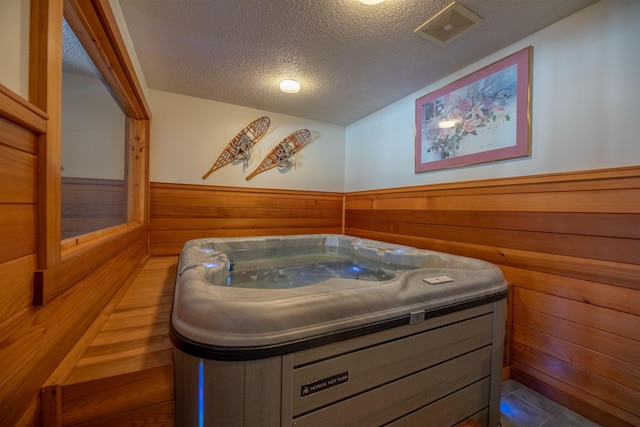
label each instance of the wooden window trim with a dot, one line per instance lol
(96, 28)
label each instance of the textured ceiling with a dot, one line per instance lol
(75, 58)
(351, 59)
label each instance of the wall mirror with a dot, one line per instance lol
(93, 158)
(103, 153)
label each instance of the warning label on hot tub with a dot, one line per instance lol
(323, 384)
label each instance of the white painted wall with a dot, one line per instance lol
(585, 96)
(585, 104)
(93, 130)
(188, 134)
(14, 45)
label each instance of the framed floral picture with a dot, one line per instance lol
(483, 117)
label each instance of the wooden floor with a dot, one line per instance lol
(122, 373)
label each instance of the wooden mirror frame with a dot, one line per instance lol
(61, 264)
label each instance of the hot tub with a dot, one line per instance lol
(333, 330)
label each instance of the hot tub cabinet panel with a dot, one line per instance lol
(438, 364)
(383, 363)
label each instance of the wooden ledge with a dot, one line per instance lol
(125, 349)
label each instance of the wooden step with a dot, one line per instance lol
(121, 371)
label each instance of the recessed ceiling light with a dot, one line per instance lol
(289, 86)
(371, 1)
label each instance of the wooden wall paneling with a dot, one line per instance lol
(603, 201)
(244, 227)
(34, 339)
(592, 180)
(594, 270)
(54, 328)
(499, 231)
(220, 210)
(595, 339)
(18, 164)
(624, 373)
(22, 125)
(583, 330)
(18, 236)
(554, 195)
(618, 401)
(21, 112)
(597, 224)
(17, 191)
(280, 220)
(618, 298)
(175, 196)
(184, 212)
(616, 322)
(17, 136)
(170, 243)
(64, 275)
(569, 245)
(17, 176)
(16, 292)
(614, 249)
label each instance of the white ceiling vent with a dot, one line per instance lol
(449, 23)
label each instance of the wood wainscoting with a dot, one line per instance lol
(90, 204)
(35, 339)
(183, 212)
(570, 245)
